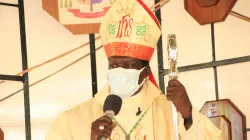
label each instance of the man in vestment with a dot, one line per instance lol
(129, 33)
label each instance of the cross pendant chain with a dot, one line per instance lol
(128, 135)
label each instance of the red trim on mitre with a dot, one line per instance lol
(129, 49)
(151, 76)
(149, 12)
(152, 79)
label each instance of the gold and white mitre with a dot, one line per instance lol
(130, 29)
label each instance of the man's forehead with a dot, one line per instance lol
(123, 58)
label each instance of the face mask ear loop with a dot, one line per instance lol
(141, 84)
(140, 71)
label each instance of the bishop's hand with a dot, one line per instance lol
(102, 127)
(177, 93)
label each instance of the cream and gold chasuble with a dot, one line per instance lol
(75, 124)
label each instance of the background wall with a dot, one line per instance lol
(46, 38)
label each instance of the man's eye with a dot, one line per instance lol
(129, 66)
(113, 66)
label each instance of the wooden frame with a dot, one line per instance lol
(51, 6)
(1, 134)
(232, 113)
(228, 123)
(209, 14)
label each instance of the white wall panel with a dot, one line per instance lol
(10, 54)
(232, 37)
(199, 85)
(10, 1)
(193, 40)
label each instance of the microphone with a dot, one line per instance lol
(111, 107)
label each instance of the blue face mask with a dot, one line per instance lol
(124, 82)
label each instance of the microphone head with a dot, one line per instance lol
(114, 103)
